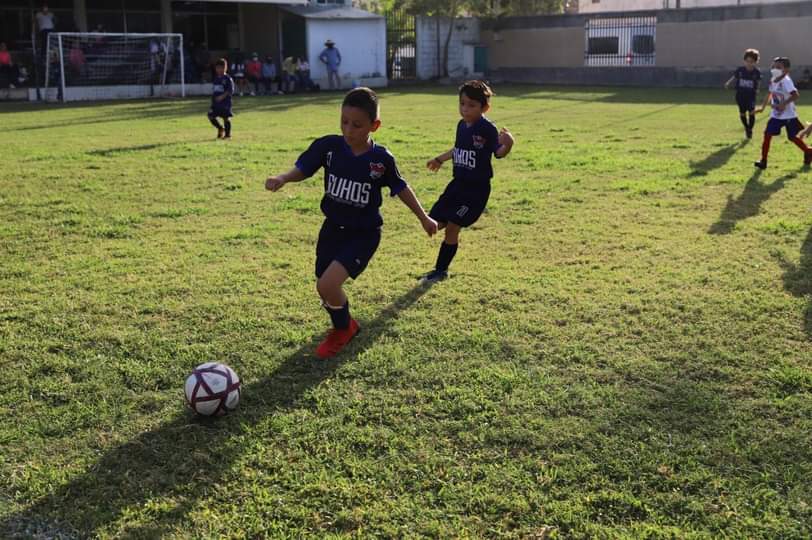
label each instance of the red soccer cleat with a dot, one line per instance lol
(337, 340)
(808, 158)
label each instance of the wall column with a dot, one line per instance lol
(166, 16)
(80, 15)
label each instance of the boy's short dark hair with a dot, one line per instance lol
(222, 62)
(752, 53)
(363, 98)
(783, 60)
(477, 90)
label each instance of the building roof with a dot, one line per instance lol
(330, 12)
(293, 2)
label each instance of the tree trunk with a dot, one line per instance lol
(445, 47)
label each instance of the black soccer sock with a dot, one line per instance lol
(214, 122)
(751, 121)
(446, 255)
(227, 122)
(340, 316)
(743, 118)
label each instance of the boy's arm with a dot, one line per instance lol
(506, 141)
(275, 183)
(434, 164)
(729, 82)
(410, 199)
(764, 105)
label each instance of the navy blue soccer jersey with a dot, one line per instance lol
(352, 184)
(473, 149)
(222, 85)
(747, 81)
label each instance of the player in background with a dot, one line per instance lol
(222, 90)
(747, 79)
(782, 96)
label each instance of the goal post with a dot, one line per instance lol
(94, 66)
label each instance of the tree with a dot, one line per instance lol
(449, 9)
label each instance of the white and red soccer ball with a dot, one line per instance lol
(212, 389)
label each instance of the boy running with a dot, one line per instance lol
(465, 197)
(782, 97)
(222, 90)
(356, 170)
(747, 79)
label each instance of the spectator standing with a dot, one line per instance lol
(331, 58)
(45, 22)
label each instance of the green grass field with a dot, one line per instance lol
(623, 350)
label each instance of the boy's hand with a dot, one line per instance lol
(506, 138)
(780, 107)
(758, 110)
(434, 165)
(429, 225)
(274, 183)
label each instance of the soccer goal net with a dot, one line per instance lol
(91, 66)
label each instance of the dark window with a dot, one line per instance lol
(643, 44)
(216, 23)
(603, 45)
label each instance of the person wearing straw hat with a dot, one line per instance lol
(331, 58)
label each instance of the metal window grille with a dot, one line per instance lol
(620, 41)
(401, 45)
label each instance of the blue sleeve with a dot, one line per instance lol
(229, 86)
(312, 159)
(338, 54)
(393, 178)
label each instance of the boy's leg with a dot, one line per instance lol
(329, 287)
(449, 247)
(213, 120)
(773, 128)
(227, 123)
(794, 127)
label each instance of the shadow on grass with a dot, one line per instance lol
(186, 457)
(798, 279)
(168, 110)
(716, 160)
(748, 203)
(112, 152)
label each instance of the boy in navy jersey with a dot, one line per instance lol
(782, 98)
(747, 79)
(222, 90)
(465, 197)
(355, 172)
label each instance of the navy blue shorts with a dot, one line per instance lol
(746, 102)
(221, 112)
(793, 125)
(460, 205)
(353, 248)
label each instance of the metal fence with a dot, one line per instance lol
(620, 41)
(401, 45)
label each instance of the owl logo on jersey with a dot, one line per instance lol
(479, 142)
(376, 170)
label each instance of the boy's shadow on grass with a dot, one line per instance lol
(716, 160)
(185, 458)
(798, 279)
(748, 203)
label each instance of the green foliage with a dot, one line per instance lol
(622, 350)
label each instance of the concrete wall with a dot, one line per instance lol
(360, 58)
(694, 47)
(466, 32)
(603, 6)
(260, 29)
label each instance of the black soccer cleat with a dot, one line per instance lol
(434, 276)
(760, 164)
(749, 133)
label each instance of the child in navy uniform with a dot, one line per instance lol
(782, 98)
(355, 171)
(465, 197)
(222, 90)
(747, 79)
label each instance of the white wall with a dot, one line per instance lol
(362, 43)
(466, 31)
